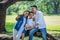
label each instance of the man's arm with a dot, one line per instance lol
(39, 18)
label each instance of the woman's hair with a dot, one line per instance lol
(27, 11)
(21, 14)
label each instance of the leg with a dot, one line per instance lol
(32, 32)
(19, 34)
(14, 34)
(43, 31)
(23, 36)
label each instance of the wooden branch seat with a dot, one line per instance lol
(37, 34)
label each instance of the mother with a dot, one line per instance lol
(19, 26)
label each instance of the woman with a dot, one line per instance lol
(19, 27)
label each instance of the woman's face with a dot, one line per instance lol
(26, 14)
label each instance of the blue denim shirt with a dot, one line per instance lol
(19, 22)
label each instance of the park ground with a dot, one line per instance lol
(52, 25)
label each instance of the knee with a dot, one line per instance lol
(30, 33)
(44, 35)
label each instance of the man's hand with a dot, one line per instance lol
(36, 24)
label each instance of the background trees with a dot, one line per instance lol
(47, 6)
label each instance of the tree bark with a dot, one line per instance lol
(3, 6)
(2, 18)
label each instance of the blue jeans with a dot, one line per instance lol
(43, 31)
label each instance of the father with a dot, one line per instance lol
(40, 23)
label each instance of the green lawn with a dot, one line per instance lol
(52, 25)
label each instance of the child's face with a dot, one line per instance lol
(31, 15)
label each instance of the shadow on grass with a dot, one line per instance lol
(53, 30)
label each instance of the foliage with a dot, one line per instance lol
(47, 6)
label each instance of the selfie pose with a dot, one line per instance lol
(19, 26)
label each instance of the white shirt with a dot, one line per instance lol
(39, 18)
(30, 23)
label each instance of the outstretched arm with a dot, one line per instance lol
(18, 16)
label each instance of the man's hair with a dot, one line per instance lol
(34, 6)
(27, 11)
(30, 12)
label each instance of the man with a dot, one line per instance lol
(40, 23)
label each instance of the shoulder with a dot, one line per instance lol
(39, 13)
(21, 17)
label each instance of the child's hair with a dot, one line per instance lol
(30, 12)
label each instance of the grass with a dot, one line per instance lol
(52, 25)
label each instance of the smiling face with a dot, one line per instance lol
(33, 9)
(26, 13)
(31, 15)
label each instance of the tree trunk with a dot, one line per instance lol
(47, 5)
(2, 18)
(3, 5)
(56, 6)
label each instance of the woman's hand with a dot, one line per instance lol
(18, 16)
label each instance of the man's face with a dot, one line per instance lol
(33, 9)
(26, 14)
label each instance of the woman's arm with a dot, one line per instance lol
(18, 16)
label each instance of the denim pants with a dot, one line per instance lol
(43, 31)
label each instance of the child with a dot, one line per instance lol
(30, 24)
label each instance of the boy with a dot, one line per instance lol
(29, 25)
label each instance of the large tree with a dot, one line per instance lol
(3, 6)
